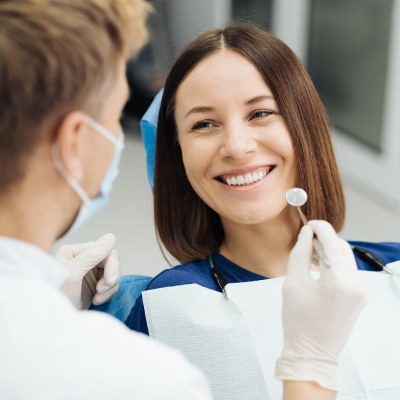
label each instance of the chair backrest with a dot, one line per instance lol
(130, 288)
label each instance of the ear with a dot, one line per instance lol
(69, 140)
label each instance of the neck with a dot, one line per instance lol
(263, 249)
(31, 211)
(17, 222)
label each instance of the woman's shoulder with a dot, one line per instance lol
(185, 274)
(386, 251)
(197, 272)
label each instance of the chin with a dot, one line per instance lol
(247, 219)
(256, 216)
(63, 232)
(66, 228)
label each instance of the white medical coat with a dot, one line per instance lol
(50, 350)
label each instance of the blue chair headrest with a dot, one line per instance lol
(148, 126)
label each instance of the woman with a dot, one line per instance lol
(240, 123)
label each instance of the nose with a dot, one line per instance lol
(237, 142)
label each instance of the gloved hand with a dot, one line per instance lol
(318, 315)
(94, 271)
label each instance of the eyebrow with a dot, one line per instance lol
(202, 109)
(260, 98)
(199, 109)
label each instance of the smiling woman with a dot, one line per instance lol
(236, 102)
(240, 123)
(236, 151)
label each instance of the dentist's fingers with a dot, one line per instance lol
(347, 252)
(96, 252)
(109, 273)
(70, 251)
(108, 285)
(327, 237)
(338, 252)
(301, 256)
(112, 269)
(100, 298)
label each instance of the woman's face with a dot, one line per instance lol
(236, 149)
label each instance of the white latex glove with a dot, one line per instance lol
(94, 271)
(318, 315)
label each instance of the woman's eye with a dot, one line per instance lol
(261, 114)
(203, 125)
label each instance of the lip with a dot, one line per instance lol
(244, 172)
(250, 187)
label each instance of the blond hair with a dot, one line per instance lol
(57, 56)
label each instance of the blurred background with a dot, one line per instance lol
(352, 51)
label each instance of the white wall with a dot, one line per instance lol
(369, 218)
(187, 19)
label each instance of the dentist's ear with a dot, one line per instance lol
(69, 142)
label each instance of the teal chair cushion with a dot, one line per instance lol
(130, 288)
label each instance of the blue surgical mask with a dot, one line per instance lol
(89, 206)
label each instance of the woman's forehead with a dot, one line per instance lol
(225, 74)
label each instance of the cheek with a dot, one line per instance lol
(192, 153)
(292, 170)
(290, 158)
(284, 147)
(191, 161)
(97, 165)
(188, 156)
(196, 166)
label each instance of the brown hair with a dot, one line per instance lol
(185, 225)
(57, 56)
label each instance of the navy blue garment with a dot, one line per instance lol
(185, 274)
(199, 272)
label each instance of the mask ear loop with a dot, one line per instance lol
(103, 131)
(70, 179)
(116, 141)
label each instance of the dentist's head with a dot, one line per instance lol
(63, 87)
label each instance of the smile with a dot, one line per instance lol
(246, 179)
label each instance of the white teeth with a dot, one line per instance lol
(246, 179)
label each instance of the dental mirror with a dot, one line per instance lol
(297, 197)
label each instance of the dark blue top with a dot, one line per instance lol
(199, 272)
